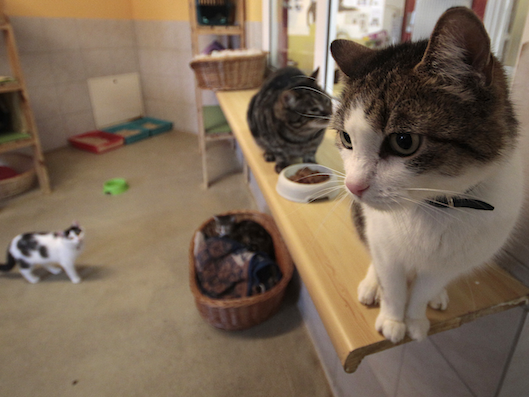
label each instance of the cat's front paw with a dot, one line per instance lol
(279, 166)
(269, 157)
(33, 280)
(369, 292)
(393, 330)
(440, 302)
(417, 328)
(54, 270)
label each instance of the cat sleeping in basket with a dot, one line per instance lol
(32, 249)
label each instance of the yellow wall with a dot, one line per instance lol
(114, 9)
(161, 9)
(253, 10)
(179, 10)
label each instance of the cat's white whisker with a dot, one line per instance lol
(332, 98)
(442, 208)
(399, 216)
(337, 202)
(429, 209)
(325, 193)
(338, 199)
(441, 191)
(315, 116)
(336, 172)
(329, 174)
(471, 293)
(303, 76)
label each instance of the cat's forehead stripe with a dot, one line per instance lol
(356, 122)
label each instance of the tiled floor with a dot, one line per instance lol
(130, 328)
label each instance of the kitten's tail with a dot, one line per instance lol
(11, 262)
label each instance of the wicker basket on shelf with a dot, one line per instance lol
(230, 72)
(25, 179)
(243, 313)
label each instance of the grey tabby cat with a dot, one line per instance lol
(428, 138)
(288, 117)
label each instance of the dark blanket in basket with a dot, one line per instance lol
(227, 269)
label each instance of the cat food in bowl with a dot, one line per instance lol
(304, 183)
(308, 176)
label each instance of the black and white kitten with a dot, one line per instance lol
(428, 138)
(32, 249)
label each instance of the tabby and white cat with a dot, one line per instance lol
(288, 117)
(32, 249)
(428, 138)
(246, 232)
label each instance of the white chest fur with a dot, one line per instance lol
(424, 237)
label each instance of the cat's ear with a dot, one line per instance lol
(314, 74)
(351, 57)
(199, 243)
(459, 41)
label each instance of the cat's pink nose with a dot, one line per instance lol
(357, 188)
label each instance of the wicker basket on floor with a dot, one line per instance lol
(26, 174)
(230, 72)
(243, 313)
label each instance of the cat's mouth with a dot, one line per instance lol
(380, 202)
(383, 205)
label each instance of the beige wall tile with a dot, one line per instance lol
(425, 373)
(37, 68)
(51, 132)
(28, 33)
(73, 97)
(479, 350)
(60, 34)
(78, 122)
(67, 66)
(516, 382)
(44, 101)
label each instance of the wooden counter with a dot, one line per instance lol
(332, 261)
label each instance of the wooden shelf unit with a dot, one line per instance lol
(238, 29)
(19, 87)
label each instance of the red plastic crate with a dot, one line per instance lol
(96, 141)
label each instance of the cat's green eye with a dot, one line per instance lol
(346, 140)
(404, 144)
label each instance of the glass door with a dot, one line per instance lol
(291, 34)
(373, 23)
(299, 32)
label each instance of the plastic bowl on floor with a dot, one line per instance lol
(115, 186)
